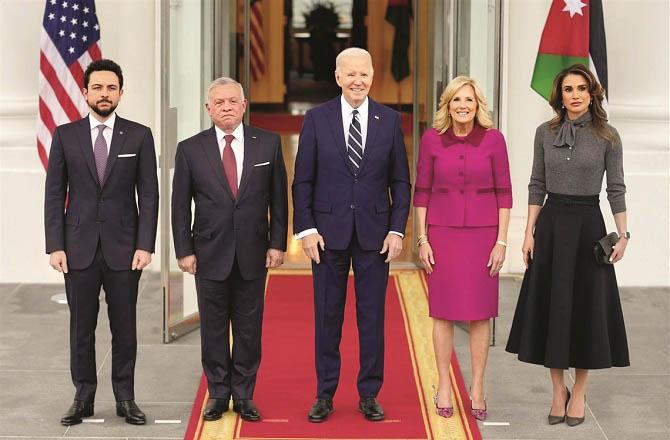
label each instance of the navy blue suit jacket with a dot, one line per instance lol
(121, 214)
(329, 195)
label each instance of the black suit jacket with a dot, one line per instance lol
(109, 213)
(225, 227)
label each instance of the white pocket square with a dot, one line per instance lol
(127, 155)
(262, 164)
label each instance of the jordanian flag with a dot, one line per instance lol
(574, 33)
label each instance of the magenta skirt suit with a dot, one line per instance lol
(462, 181)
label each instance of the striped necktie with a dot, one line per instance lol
(355, 142)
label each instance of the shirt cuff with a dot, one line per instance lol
(305, 233)
(397, 233)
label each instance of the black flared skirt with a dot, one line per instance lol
(569, 313)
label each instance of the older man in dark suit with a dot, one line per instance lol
(106, 168)
(351, 196)
(235, 173)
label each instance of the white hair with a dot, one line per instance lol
(222, 82)
(351, 52)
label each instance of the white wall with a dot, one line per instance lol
(638, 44)
(128, 37)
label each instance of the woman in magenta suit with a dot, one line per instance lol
(463, 198)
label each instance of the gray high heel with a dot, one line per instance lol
(574, 421)
(555, 420)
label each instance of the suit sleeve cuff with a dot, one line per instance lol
(401, 235)
(305, 233)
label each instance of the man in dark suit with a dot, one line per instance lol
(103, 236)
(351, 196)
(236, 175)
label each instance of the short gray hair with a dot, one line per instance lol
(222, 82)
(349, 52)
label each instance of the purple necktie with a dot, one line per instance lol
(229, 164)
(100, 153)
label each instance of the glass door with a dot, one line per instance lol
(201, 40)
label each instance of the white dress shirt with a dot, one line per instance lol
(106, 132)
(347, 116)
(237, 145)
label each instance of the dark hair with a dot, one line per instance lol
(103, 65)
(598, 114)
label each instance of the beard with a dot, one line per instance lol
(103, 112)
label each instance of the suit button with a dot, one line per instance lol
(460, 173)
(355, 180)
(461, 157)
(352, 206)
(461, 191)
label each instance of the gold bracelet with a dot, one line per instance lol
(421, 243)
(421, 237)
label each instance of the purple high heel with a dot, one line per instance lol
(446, 412)
(479, 414)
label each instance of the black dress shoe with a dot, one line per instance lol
(371, 409)
(132, 413)
(215, 409)
(320, 410)
(78, 410)
(247, 410)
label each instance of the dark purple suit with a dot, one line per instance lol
(354, 212)
(102, 228)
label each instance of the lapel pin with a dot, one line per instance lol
(120, 132)
(376, 117)
(253, 137)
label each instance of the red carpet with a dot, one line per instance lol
(291, 124)
(287, 382)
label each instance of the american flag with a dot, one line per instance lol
(69, 42)
(256, 41)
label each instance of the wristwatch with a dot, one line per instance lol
(625, 235)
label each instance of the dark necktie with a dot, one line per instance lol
(355, 142)
(100, 153)
(229, 164)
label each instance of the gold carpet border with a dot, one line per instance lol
(412, 290)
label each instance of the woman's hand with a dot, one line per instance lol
(618, 250)
(496, 259)
(426, 257)
(527, 249)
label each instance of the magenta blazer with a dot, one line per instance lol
(463, 181)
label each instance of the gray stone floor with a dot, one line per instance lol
(35, 386)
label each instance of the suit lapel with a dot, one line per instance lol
(118, 140)
(250, 153)
(336, 125)
(210, 146)
(374, 120)
(86, 145)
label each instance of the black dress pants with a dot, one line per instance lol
(238, 302)
(82, 288)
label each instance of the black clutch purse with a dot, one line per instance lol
(602, 249)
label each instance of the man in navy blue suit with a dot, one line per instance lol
(351, 197)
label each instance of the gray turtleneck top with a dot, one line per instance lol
(572, 160)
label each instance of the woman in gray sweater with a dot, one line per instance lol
(569, 313)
